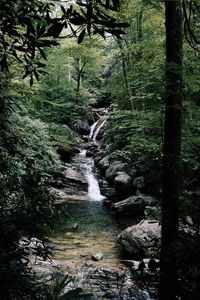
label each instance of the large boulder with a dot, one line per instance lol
(141, 240)
(74, 180)
(103, 164)
(106, 189)
(123, 184)
(109, 192)
(114, 168)
(82, 127)
(133, 205)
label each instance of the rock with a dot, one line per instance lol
(57, 184)
(149, 200)
(100, 153)
(141, 240)
(109, 192)
(82, 127)
(134, 264)
(89, 153)
(152, 213)
(114, 169)
(139, 182)
(96, 256)
(65, 154)
(123, 184)
(131, 206)
(97, 159)
(104, 163)
(74, 174)
(106, 189)
(74, 180)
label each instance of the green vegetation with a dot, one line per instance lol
(45, 104)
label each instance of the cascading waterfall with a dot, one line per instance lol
(96, 127)
(87, 163)
(92, 128)
(94, 192)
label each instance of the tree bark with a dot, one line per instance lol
(171, 150)
(79, 77)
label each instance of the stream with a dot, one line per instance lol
(85, 245)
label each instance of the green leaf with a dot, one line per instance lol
(81, 36)
(43, 54)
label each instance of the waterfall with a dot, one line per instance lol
(87, 165)
(94, 192)
(92, 129)
(95, 128)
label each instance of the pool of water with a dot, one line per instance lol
(88, 227)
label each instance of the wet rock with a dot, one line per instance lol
(109, 192)
(104, 163)
(106, 189)
(123, 184)
(114, 169)
(74, 174)
(133, 205)
(82, 127)
(89, 153)
(141, 240)
(75, 180)
(96, 256)
(57, 184)
(139, 183)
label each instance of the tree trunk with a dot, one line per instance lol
(171, 150)
(79, 77)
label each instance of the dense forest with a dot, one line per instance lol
(99, 147)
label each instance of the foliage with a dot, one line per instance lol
(136, 134)
(55, 99)
(27, 28)
(138, 59)
(62, 137)
(27, 160)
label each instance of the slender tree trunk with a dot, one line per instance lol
(79, 78)
(171, 150)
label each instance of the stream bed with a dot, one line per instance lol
(84, 246)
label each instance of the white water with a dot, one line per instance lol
(87, 164)
(95, 128)
(98, 129)
(94, 192)
(92, 128)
